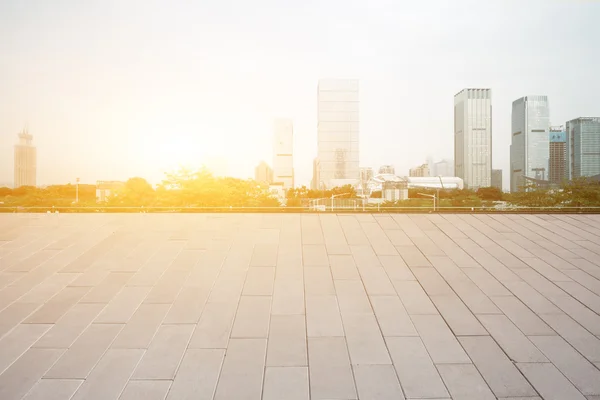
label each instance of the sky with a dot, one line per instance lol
(112, 89)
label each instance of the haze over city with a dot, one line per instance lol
(112, 90)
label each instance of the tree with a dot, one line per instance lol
(489, 193)
(580, 192)
(136, 192)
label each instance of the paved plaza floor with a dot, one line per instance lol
(299, 306)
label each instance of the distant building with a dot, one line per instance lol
(25, 161)
(583, 147)
(338, 131)
(557, 163)
(387, 169)
(394, 191)
(497, 178)
(366, 174)
(315, 183)
(283, 148)
(104, 189)
(435, 182)
(473, 137)
(263, 173)
(530, 145)
(442, 168)
(422, 171)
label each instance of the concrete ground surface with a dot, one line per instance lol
(299, 306)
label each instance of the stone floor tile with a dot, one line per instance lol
(108, 379)
(477, 301)
(314, 255)
(287, 341)
(364, 339)
(499, 372)
(511, 339)
(167, 288)
(343, 267)
(377, 382)
(188, 306)
(392, 316)
(318, 281)
(323, 316)
(286, 383)
(329, 369)
(108, 288)
(414, 298)
(532, 299)
(439, 340)
(586, 343)
(264, 255)
(242, 373)
(465, 382)
(352, 297)
(164, 353)
(412, 256)
(18, 341)
(549, 382)
(123, 305)
(486, 282)
(146, 390)
(432, 282)
(288, 297)
(364, 256)
(418, 376)
(376, 282)
(14, 314)
(64, 332)
(53, 389)
(583, 374)
(525, 319)
(19, 378)
(252, 317)
(141, 327)
(82, 356)
(458, 316)
(396, 268)
(57, 306)
(197, 375)
(214, 327)
(259, 281)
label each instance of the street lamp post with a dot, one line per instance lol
(335, 195)
(77, 190)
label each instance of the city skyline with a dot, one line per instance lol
(118, 96)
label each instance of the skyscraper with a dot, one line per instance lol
(497, 178)
(583, 147)
(473, 137)
(263, 173)
(315, 182)
(422, 171)
(338, 131)
(283, 147)
(443, 168)
(530, 141)
(387, 169)
(557, 163)
(25, 161)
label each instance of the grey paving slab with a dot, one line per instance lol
(329, 369)
(19, 340)
(458, 317)
(259, 281)
(549, 382)
(188, 306)
(439, 340)
(499, 372)
(53, 389)
(288, 296)
(586, 343)
(464, 382)
(123, 305)
(287, 341)
(197, 375)
(414, 298)
(314, 255)
(392, 316)
(146, 390)
(525, 319)
(164, 354)
(323, 316)
(141, 327)
(242, 373)
(318, 281)
(364, 339)
(417, 374)
(252, 317)
(377, 382)
(352, 298)
(286, 383)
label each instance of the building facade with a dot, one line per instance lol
(263, 173)
(283, 149)
(338, 131)
(557, 162)
(497, 178)
(530, 142)
(583, 147)
(473, 137)
(25, 161)
(315, 182)
(387, 169)
(442, 168)
(105, 189)
(422, 171)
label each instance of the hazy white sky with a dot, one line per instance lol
(112, 89)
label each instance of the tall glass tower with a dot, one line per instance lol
(530, 146)
(583, 147)
(473, 137)
(338, 131)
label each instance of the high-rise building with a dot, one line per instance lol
(387, 169)
(283, 147)
(422, 171)
(263, 173)
(557, 163)
(315, 183)
(443, 168)
(530, 144)
(338, 131)
(497, 178)
(366, 174)
(473, 137)
(583, 147)
(25, 161)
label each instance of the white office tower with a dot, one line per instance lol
(283, 149)
(473, 137)
(530, 145)
(338, 132)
